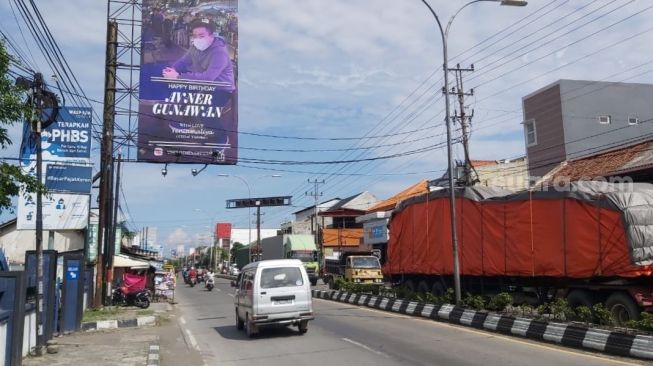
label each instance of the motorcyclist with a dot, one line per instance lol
(193, 273)
(209, 278)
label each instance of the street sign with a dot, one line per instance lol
(72, 273)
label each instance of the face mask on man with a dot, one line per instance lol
(202, 43)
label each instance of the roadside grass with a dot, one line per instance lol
(113, 312)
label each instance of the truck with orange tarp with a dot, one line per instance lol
(588, 242)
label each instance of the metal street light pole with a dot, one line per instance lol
(445, 68)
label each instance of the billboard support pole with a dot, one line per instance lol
(114, 224)
(106, 157)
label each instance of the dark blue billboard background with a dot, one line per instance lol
(188, 109)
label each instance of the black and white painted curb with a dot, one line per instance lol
(153, 355)
(122, 323)
(615, 343)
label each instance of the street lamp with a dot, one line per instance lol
(445, 68)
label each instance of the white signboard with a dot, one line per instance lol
(60, 211)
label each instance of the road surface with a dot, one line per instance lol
(344, 334)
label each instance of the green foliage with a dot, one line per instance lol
(12, 110)
(584, 314)
(473, 301)
(644, 323)
(500, 301)
(561, 310)
(602, 315)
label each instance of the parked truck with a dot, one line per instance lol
(589, 243)
(294, 246)
(355, 267)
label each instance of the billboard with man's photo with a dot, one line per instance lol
(188, 107)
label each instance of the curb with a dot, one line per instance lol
(615, 343)
(122, 323)
(153, 355)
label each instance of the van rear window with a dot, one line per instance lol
(281, 277)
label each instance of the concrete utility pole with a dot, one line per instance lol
(316, 194)
(464, 120)
(106, 157)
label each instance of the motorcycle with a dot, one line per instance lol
(139, 298)
(209, 284)
(193, 281)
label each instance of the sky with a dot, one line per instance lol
(316, 71)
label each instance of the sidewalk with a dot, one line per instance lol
(123, 346)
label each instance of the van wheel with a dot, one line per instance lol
(250, 330)
(239, 323)
(303, 327)
(622, 307)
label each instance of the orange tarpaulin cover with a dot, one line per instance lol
(342, 237)
(553, 237)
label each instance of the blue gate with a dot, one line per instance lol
(72, 293)
(12, 316)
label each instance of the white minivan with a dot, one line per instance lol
(273, 292)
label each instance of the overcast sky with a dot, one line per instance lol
(357, 68)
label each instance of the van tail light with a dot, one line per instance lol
(306, 314)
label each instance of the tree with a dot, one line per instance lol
(234, 249)
(12, 110)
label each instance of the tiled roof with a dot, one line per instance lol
(390, 203)
(480, 163)
(606, 164)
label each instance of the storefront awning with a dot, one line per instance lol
(128, 262)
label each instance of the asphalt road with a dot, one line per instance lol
(344, 334)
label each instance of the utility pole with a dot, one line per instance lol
(41, 100)
(258, 231)
(464, 119)
(106, 159)
(316, 194)
(114, 223)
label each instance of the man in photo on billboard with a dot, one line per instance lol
(207, 59)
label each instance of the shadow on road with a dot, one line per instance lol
(230, 332)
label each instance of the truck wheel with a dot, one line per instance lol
(422, 287)
(409, 285)
(622, 307)
(303, 327)
(437, 289)
(314, 282)
(577, 298)
(239, 323)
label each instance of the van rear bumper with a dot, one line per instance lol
(276, 319)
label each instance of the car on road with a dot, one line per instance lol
(273, 292)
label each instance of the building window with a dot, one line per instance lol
(633, 120)
(605, 120)
(530, 133)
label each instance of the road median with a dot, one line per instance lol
(601, 340)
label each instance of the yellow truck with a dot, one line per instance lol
(354, 267)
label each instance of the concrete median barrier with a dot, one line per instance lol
(601, 340)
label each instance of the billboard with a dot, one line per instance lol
(188, 102)
(66, 145)
(223, 230)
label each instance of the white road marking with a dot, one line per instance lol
(182, 320)
(192, 340)
(365, 347)
(232, 295)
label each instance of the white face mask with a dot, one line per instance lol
(202, 43)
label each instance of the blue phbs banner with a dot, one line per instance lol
(68, 138)
(68, 178)
(188, 102)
